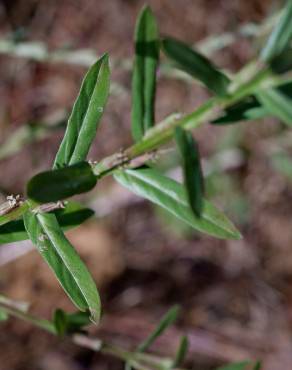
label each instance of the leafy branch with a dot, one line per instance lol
(262, 88)
(73, 328)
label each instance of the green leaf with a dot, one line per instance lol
(86, 114)
(167, 320)
(256, 113)
(283, 62)
(46, 234)
(144, 73)
(278, 104)
(249, 108)
(181, 352)
(286, 89)
(236, 366)
(77, 321)
(281, 35)
(68, 323)
(171, 195)
(60, 322)
(257, 366)
(195, 64)
(193, 177)
(3, 315)
(73, 215)
(54, 185)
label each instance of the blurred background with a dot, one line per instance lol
(236, 296)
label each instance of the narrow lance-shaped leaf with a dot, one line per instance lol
(46, 234)
(144, 73)
(278, 104)
(250, 108)
(43, 229)
(167, 320)
(73, 215)
(51, 186)
(171, 195)
(193, 177)
(280, 36)
(164, 323)
(181, 352)
(247, 109)
(195, 64)
(85, 116)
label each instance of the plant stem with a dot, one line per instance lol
(137, 360)
(247, 82)
(13, 213)
(41, 323)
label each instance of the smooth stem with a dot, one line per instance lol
(41, 323)
(248, 80)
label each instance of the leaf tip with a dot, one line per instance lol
(105, 58)
(146, 9)
(236, 235)
(94, 315)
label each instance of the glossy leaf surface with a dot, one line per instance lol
(171, 195)
(46, 234)
(280, 36)
(144, 73)
(86, 114)
(193, 177)
(58, 184)
(195, 64)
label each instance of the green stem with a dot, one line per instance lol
(248, 81)
(15, 213)
(41, 323)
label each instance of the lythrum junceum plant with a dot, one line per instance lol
(262, 88)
